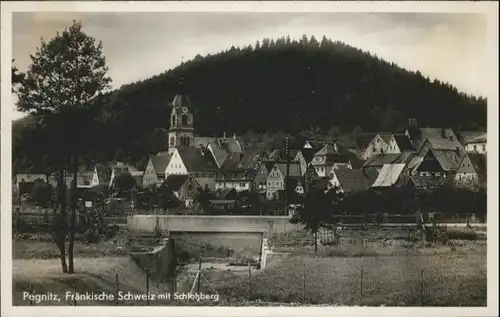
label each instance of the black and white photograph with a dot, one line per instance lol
(243, 155)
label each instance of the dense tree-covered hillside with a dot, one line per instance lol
(272, 86)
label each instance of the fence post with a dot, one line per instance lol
(32, 292)
(249, 281)
(361, 287)
(147, 286)
(74, 292)
(199, 277)
(117, 289)
(422, 287)
(304, 284)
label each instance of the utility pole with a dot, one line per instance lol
(287, 157)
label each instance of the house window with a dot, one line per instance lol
(475, 148)
(484, 148)
(268, 183)
(184, 119)
(242, 184)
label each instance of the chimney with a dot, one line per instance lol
(443, 133)
(335, 147)
(412, 122)
(234, 136)
(224, 135)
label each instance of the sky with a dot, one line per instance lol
(451, 47)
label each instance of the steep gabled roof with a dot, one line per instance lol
(466, 137)
(479, 163)
(362, 140)
(403, 142)
(224, 194)
(202, 141)
(196, 159)
(328, 148)
(269, 164)
(385, 136)
(352, 180)
(449, 160)
(294, 170)
(389, 175)
(381, 159)
(160, 163)
(175, 182)
(441, 139)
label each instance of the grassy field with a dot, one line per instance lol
(47, 250)
(431, 280)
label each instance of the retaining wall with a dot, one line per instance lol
(160, 263)
(265, 224)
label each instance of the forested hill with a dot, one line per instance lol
(279, 85)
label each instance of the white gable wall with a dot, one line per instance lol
(176, 165)
(150, 178)
(392, 147)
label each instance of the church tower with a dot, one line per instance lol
(181, 132)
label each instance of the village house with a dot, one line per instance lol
(440, 163)
(378, 161)
(195, 162)
(424, 139)
(329, 158)
(261, 174)
(467, 175)
(154, 174)
(378, 145)
(184, 187)
(399, 143)
(276, 177)
(102, 175)
(476, 144)
(305, 156)
(350, 180)
(392, 175)
(25, 182)
(222, 148)
(239, 180)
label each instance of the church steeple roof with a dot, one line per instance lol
(181, 99)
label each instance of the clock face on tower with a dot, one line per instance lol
(184, 109)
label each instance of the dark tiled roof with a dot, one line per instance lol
(466, 137)
(160, 163)
(386, 137)
(381, 159)
(403, 142)
(479, 163)
(362, 140)
(202, 141)
(328, 148)
(441, 139)
(226, 193)
(352, 180)
(269, 164)
(241, 175)
(308, 154)
(449, 160)
(197, 160)
(175, 182)
(294, 169)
